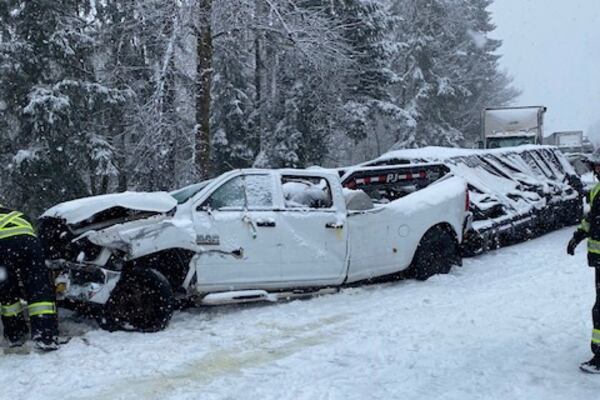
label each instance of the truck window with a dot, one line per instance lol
(259, 191)
(246, 191)
(229, 195)
(306, 192)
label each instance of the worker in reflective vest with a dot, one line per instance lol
(24, 277)
(590, 229)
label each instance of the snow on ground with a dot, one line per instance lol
(512, 324)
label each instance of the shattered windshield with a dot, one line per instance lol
(182, 195)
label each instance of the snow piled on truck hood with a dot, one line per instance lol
(75, 211)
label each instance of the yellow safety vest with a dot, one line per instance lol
(12, 224)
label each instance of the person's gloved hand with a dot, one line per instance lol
(571, 247)
(575, 240)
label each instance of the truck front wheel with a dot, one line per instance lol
(142, 301)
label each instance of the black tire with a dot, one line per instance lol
(142, 301)
(437, 252)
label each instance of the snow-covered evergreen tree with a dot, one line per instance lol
(447, 70)
(300, 82)
(235, 140)
(488, 84)
(98, 96)
(143, 43)
(368, 97)
(49, 87)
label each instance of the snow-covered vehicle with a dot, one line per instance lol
(516, 193)
(512, 126)
(246, 235)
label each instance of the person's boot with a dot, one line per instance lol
(45, 343)
(592, 366)
(44, 332)
(15, 330)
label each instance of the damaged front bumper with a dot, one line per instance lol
(83, 283)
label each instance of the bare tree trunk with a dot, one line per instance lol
(93, 179)
(265, 77)
(204, 52)
(104, 184)
(122, 165)
(259, 72)
(258, 75)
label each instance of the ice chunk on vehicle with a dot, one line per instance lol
(76, 211)
(357, 200)
(303, 193)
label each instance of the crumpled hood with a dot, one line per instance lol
(76, 211)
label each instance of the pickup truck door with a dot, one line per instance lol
(238, 217)
(313, 230)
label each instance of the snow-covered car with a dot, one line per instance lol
(516, 193)
(246, 235)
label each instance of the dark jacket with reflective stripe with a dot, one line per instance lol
(590, 228)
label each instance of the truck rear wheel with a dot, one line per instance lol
(436, 253)
(142, 301)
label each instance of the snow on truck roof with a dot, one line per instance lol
(443, 153)
(513, 119)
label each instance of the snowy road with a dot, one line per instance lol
(512, 324)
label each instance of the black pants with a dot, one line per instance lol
(27, 279)
(596, 312)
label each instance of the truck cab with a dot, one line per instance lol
(289, 226)
(512, 126)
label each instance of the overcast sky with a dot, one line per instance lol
(552, 49)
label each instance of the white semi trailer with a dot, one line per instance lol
(570, 142)
(512, 126)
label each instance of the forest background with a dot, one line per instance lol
(98, 96)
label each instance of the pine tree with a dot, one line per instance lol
(448, 70)
(145, 95)
(368, 97)
(234, 142)
(50, 88)
(489, 86)
(301, 59)
(142, 44)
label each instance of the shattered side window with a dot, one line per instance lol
(230, 195)
(259, 191)
(306, 192)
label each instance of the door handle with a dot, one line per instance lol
(266, 224)
(334, 225)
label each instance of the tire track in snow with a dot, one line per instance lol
(282, 343)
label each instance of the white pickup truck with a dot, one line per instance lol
(246, 235)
